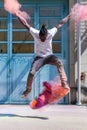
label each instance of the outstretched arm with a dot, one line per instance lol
(23, 21)
(63, 21)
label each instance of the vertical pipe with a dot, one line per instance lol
(79, 61)
(9, 50)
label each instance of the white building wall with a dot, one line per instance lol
(83, 37)
(73, 58)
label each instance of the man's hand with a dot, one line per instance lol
(63, 21)
(22, 20)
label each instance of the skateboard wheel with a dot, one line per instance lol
(33, 104)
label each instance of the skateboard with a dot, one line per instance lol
(50, 94)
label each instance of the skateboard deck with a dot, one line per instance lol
(50, 94)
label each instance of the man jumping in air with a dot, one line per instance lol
(44, 54)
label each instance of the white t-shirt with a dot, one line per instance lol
(43, 49)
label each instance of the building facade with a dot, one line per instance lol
(74, 39)
(17, 50)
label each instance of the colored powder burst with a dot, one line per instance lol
(58, 91)
(14, 7)
(78, 13)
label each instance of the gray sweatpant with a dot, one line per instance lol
(41, 61)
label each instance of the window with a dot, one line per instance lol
(3, 31)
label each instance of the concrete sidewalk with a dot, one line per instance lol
(51, 117)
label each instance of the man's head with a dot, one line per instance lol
(43, 33)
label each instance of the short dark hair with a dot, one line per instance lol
(43, 30)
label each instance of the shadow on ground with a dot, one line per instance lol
(14, 115)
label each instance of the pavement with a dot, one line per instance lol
(50, 117)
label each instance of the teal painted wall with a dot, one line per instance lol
(13, 78)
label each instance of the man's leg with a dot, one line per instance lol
(62, 74)
(53, 60)
(29, 84)
(36, 65)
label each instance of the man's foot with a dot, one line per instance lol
(65, 85)
(25, 93)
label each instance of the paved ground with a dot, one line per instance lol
(51, 117)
